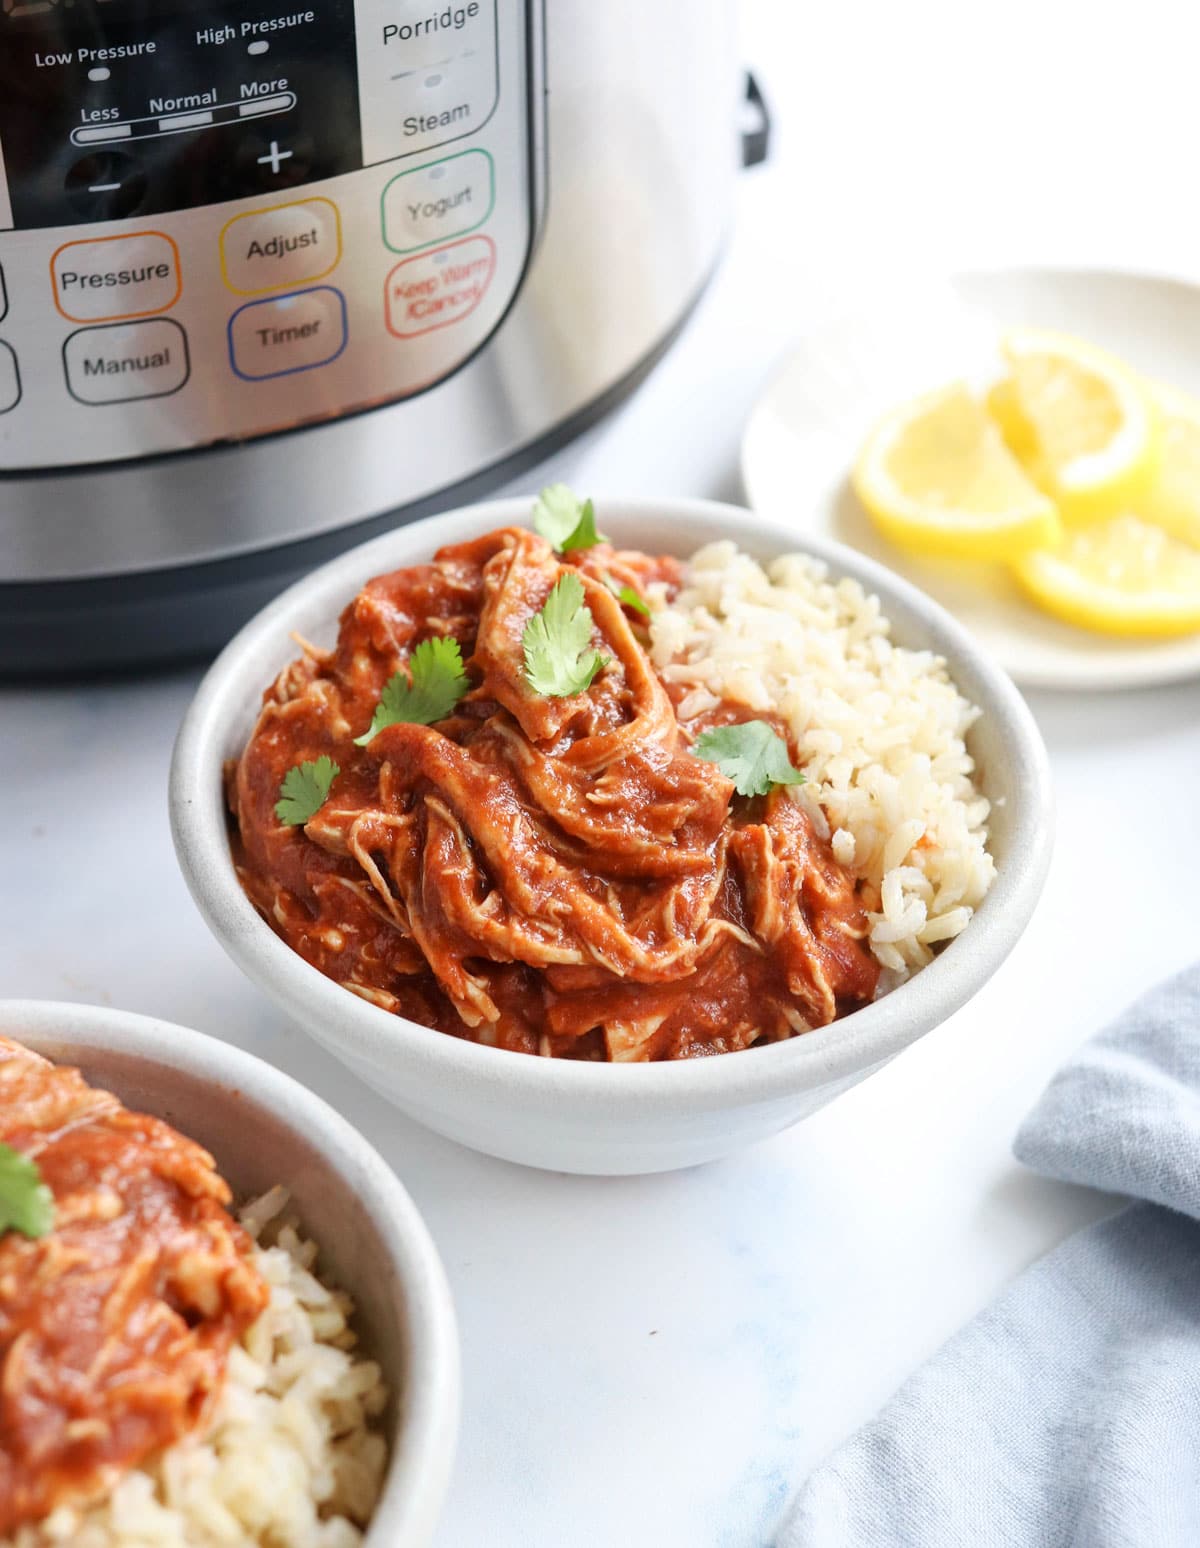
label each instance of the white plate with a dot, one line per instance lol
(807, 427)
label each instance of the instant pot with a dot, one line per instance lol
(275, 274)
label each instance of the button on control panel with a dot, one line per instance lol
(289, 333)
(100, 279)
(439, 200)
(121, 362)
(440, 287)
(10, 372)
(285, 244)
(10, 379)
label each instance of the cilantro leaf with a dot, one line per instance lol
(26, 1204)
(566, 522)
(627, 596)
(753, 755)
(559, 660)
(585, 534)
(437, 683)
(304, 789)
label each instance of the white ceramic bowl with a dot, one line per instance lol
(576, 1116)
(264, 1128)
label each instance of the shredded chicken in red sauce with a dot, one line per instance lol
(550, 875)
(116, 1326)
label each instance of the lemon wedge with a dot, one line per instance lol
(1173, 500)
(937, 478)
(1004, 405)
(1120, 576)
(1085, 425)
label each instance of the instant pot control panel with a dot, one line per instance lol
(222, 218)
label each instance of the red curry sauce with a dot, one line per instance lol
(550, 875)
(116, 1326)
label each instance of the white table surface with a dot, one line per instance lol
(658, 1361)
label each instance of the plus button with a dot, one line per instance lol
(274, 157)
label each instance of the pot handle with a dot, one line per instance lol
(756, 140)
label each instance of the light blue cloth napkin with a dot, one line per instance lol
(1067, 1415)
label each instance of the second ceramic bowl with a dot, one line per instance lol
(264, 1129)
(571, 1115)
